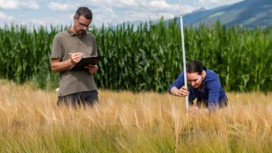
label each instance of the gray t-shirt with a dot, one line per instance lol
(64, 43)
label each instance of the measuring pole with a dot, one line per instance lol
(183, 55)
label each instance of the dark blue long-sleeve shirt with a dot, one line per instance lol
(212, 93)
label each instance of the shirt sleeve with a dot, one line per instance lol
(178, 83)
(57, 51)
(213, 87)
(95, 51)
(192, 95)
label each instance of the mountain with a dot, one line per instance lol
(248, 13)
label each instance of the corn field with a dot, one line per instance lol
(147, 57)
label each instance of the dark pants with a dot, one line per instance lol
(79, 99)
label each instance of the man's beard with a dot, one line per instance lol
(81, 33)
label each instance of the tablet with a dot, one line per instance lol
(85, 61)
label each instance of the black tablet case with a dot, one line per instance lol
(85, 61)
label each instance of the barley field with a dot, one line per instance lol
(144, 122)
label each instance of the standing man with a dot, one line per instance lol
(69, 46)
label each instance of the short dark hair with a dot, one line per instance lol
(194, 67)
(84, 11)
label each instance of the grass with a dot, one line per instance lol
(124, 121)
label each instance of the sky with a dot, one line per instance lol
(107, 12)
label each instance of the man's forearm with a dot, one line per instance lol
(57, 66)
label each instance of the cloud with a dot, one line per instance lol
(119, 11)
(105, 11)
(144, 10)
(105, 15)
(18, 4)
(215, 3)
(162, 5)
(185, 9)
(127, 3)
(61, 7)
(5, 17)
(47, 21)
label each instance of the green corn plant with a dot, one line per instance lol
(147, 57)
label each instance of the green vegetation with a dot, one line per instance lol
(25, 55)
(147, 57)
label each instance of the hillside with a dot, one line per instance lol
(248, 13)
